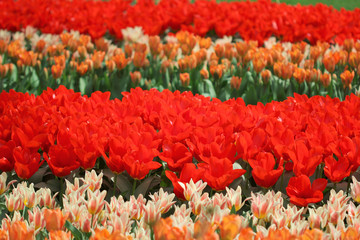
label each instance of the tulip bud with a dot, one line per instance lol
(348, 45)
(56, 71)
(235, 82)
(355, 190)
(265, 76)
(110, 65)
(204, 74)
(346, 78)
(185, 79)
(135, 77)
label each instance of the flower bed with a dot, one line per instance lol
(223, 69)
(87, 215)
(182, 136)
(251, 20)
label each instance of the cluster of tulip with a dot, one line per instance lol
(182, 137)
(86, 214)
(252, 20)
(223, 69)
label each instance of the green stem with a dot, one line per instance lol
(152, 237)
(335, 187)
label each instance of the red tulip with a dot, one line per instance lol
(6, 156)
(305, 160)
(175, 155)
(219, 173)
(337, 170)
(301, 192)
(27, 162)
(263, 170)
(61, 160)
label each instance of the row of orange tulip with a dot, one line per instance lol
(223, 69)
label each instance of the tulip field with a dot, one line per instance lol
(179, 119)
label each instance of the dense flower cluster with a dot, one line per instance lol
(193, 137)
(32, 62)
(251, 20)
(86, 214)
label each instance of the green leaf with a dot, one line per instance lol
(251, 95)
(74, 231)
(82, 85)
(210, 87)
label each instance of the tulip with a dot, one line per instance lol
(355, 190)
(55, 219)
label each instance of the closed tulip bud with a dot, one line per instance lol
(98, 58)
(265, 76)
(40, 46)
(139, 59)
(296, 56)
(299, 74)
(216, 71)
(3, 46)
(347, 78)
(330, 60)
(89, 63)
(155, 45)
(309, 64)
(110, 65)
(259, 64)
(102, 44)
(205, 42)
(56, 71)
(82, 51)
(128, 50)
(204, 74)
(82, 68)
(354, 59)
(325, 79)
(235, 82)
(355, 190)
(135, 77)
(4, 69)
(348, 45)
(242, 48)
(185, 79)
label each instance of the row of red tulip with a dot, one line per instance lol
(251, 20)
(192, 136)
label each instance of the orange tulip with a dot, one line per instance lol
(18, 230)
(185, 79)
(55, 220)
(135, 77)
(230, 226)
(60, 235)
(346, 78)
(235, 82)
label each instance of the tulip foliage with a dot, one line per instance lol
(181, 136)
